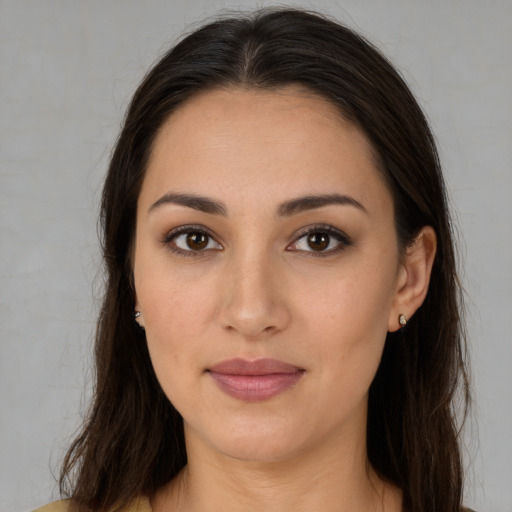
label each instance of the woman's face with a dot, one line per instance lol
(266, 272)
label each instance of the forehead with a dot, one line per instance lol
(274, 141)
(265, 112)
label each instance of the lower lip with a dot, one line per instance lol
(255, 388)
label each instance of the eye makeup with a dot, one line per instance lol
(191, 240)
(320, 240)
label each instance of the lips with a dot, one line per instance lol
(254, 381)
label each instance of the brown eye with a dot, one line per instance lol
(321, 240)
(197, 241)
(318, 241)
(190, 241)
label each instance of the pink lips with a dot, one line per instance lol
(254, 381)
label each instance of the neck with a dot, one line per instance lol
(327, 479)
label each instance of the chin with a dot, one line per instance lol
(259, 451)
(265, 443)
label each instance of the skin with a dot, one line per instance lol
(259, 290)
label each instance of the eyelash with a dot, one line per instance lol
(182, 230)
(342, 238)
(332, 232)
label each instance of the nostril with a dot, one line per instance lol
(251, 307)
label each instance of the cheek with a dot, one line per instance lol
(347, 360)
(352, 333)
(357, 301)
(176, 308)
(173, 301)
(173, 329)
(348, 317)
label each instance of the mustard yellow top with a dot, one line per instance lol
(140, 504)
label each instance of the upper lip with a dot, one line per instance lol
(266, 366)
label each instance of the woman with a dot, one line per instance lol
(281, 324)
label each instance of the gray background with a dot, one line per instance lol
(67, 69)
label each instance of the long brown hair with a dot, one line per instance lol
(132, 440)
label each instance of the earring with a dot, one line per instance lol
(136, 316)
(402, 320)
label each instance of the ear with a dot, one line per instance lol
(413, 277)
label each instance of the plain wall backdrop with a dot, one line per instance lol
(67, 70)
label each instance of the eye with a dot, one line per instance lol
(189, 240)
(323, 240)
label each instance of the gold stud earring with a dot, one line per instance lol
(402, 320)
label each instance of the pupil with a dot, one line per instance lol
(197, 240)
(318, 241)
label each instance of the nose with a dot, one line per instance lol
(253, 299)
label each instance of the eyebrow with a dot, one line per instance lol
(312, 202)
(203, 204)
(286, 209)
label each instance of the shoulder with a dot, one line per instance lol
(56, 506)
(140, 504)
